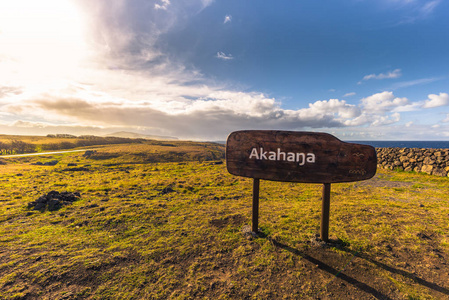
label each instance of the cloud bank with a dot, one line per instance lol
(392, 74)
(127, 82)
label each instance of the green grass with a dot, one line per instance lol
(148, 229)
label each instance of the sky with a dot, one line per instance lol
(201, 69)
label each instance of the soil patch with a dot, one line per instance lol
(382, 181)
(229, 220)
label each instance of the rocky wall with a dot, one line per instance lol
(430, 161)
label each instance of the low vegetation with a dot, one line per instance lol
(10, 144)
(165, 220)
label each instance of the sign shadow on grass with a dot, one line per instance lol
(355, 282)
(406, 274)
(331, 270)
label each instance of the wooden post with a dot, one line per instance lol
(256, 184)
(325, 212)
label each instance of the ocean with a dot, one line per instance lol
(397, 144)
(406, 144)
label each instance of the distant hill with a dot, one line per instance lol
(133, 135)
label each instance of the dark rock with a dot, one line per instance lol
(75, 169)
(428, 161)
(71, 165)
(89, 153)
(53, 204)
(51, 163)
(439, 172)
(423, 236)
(53, 201)
(167, 190)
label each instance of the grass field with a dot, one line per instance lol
(165, 221)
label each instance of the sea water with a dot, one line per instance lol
(406, 144)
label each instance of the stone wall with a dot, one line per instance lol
(430, 161)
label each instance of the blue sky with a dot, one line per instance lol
(200, 69)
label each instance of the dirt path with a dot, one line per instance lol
(43, 153)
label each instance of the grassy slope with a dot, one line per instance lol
(145, 229)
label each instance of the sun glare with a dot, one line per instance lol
(40, 39)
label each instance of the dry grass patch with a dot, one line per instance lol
(144, 230)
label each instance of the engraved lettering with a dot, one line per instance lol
(278, 155)
(281, 154)
(263, 155)
(301, 158)
(357, 172)
(254, 153)
(310, 158)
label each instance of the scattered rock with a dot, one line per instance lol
(89, 153)
(47, 163)
(317, 242)
(75, 169)
(92, 206)
(248, 233)
(54, 200)
(423, 236)
(167, 190)
(71, 165)
(2, 162)
(51, 163)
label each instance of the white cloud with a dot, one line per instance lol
(387, 120)
(9, 90)
(437, 100)
(414, 82)
(227, 19)
(349, 94)
(189, 112)
(429, 7)
(206, 3)
(392, 74)
(335, 107)
(411, 106)
(446, 120)
(223, 56)
(411, 11)
(383, 102)
(164, 5)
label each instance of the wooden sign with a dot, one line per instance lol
(295, 156)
